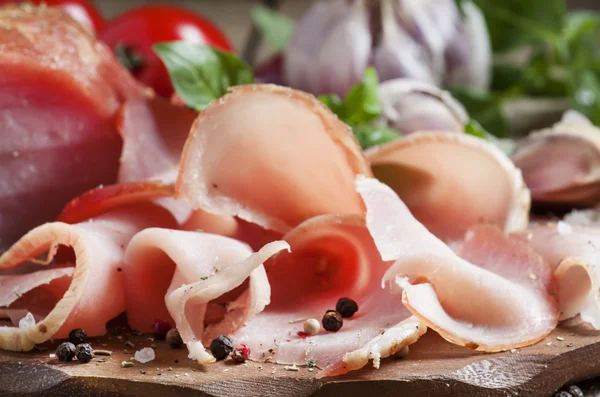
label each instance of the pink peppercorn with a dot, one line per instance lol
(161, 328)
(241, 353)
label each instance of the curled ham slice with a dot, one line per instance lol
(496, 296)
(54, 147)
(331, 256)
(573, 251)
(96, 292)
(561, 165)
(178, 274)
(451, 182)
(266, 138)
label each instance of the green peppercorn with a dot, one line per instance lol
(84, 353)
(77, 336)
(65, 351)
(346, 307)
(221, 347)
(332, 321)
(174, 339)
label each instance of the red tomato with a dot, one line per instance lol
(82, 11)
(133, 34)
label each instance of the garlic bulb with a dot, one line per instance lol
(410, 106)
(426, 40)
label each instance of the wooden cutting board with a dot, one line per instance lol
(434, 367)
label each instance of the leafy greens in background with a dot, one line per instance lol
(275, 27)
(561, 59)
(201, 74)
(360, 109)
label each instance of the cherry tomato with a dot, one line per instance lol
(133, 34)
(82, 11)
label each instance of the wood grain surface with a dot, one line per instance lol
(434, 367)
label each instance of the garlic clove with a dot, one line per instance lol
(410, 106)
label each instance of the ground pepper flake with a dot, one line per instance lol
(102, 352)
(292, 367)
(560, 338)
(126, 364)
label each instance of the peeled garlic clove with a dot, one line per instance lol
(561, 164)
(410, 106)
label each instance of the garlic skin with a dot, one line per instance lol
(410, 106)
(426, 40)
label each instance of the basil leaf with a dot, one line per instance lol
(275, 27)
(334, 103)
(361, 104)
(586, 96)
(369, 135)
(200, 74)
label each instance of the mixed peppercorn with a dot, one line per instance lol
(333, 319)
(76, 347)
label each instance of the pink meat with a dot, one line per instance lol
(176, 275)
(451, 182)
(271, 156)
(97, 290)
(573, 252)
(60, 91)
(496, 296)
(332, 256)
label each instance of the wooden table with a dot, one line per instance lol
(434, 368)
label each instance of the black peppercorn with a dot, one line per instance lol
(65, 351)
(220, 347)
(84, 353)
(174, 339)
(346, 307)
(77, 336)
(575, 391)
(332, 321)
(563, 394)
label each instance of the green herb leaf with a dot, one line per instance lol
(485, 107)
(512, 23)
(201, 74)
(586, 96)
(360, 108)
(475, 129)
(275, 27)
(361, 104)
(334, 103)
(373, 135)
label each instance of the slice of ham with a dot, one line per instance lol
(561, 164)
(154, 131)
(271, 156)
(573, 251)
(451, 182)
(61, 89)
(97, 290)
(332, 256)
(495, 297)
(176, 274)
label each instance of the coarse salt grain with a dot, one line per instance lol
(27, 322)
(564, 228)
(145, 355)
